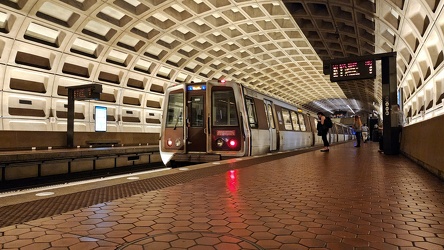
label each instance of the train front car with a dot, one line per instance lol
(202, 122)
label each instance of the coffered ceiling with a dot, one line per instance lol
(340, 29)
(274, 46)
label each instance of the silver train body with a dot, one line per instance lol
(216, 120)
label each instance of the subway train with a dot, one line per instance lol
(215, 120)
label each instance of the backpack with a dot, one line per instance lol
(328, 123)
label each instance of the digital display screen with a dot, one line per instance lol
(353, 70)
(196, 87)
(87, 93)
(100, 125)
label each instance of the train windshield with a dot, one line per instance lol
(224, 109)
(175, 111)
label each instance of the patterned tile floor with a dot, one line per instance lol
(349, 198)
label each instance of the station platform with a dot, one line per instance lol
(348, 198)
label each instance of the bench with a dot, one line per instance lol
(103, 142)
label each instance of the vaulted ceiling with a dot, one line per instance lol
(340, 29)
(274, 46)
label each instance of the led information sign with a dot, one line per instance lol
(352, 70)
(196, 87)
(87, 92)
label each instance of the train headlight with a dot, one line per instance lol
(220, 142)
(232, 143)
(178, 142)
(169, 142)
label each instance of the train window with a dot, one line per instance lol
(175, 111)
(316, 121)
(279, 117)
(302, 122)
(287, 119)
(251, 112)
(197, 111)
(270, 116)
(294, 121)
(224, 109)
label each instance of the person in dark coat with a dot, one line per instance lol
(323, 131)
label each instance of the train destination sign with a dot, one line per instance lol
(86, 92)
(352, 70)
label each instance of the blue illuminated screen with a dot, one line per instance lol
(100, 125)
(196, 87)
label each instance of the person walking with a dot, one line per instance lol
(323, 131)
(357, 126)
(365, 130)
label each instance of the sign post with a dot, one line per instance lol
(389, 96)
(363, 67)
(80, 93)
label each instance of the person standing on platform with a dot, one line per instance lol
(375, 135)
(397, 124)
(381, 139)
(365, 132)
(323, 131)
(357, 126)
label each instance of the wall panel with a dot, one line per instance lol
(33, 57)
(77, 67)
(423, 142)
(62, 125)
(28, 81)
(26, 125)
(18, 105)
(2, 76)
(5, 48)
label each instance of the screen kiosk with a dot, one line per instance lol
(79, 93)
(100, 118)
(361, 67)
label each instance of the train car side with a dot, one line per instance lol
(279, 127)
(216, 120)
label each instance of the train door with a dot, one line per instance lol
(314, 128)
(173, 125)
(196, 119)
(271, 125)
